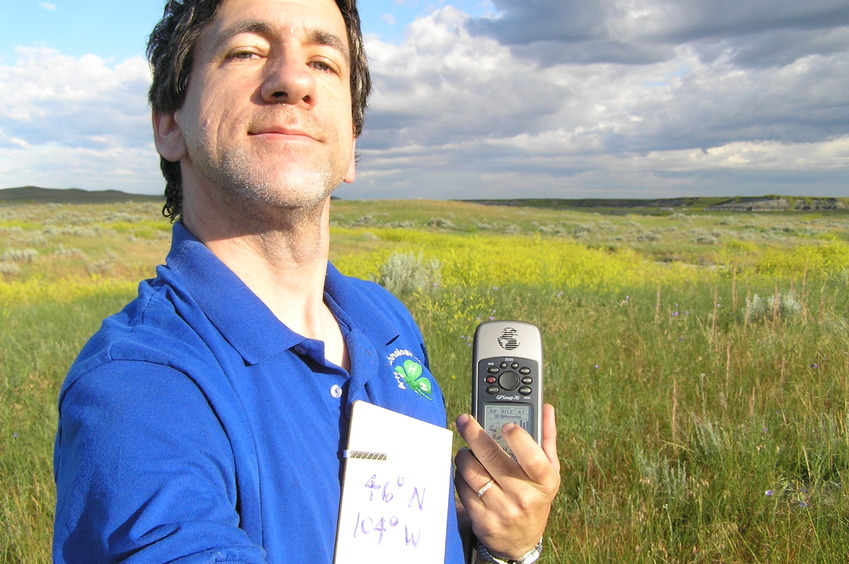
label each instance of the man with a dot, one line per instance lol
(205, 422)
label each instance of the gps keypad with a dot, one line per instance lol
(508, 375)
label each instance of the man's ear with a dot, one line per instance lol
(351, 175)
(168, 137)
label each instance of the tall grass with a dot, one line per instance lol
(38, 340)
(702, 389)
(686, 433)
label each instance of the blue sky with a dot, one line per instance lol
(483, 98)
(119, 29)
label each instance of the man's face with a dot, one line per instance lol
(267, 116)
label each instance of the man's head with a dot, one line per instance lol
(171, 50)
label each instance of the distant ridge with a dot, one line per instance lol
(736, 203)
(36, 194)
(71, 196)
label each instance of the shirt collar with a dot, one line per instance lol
(245, 321)
(361, 312)
(238, 314)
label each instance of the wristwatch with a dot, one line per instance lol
(529, 557)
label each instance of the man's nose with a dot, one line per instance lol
(289, 81)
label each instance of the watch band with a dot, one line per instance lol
(529, 557)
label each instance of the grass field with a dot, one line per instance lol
(699, 362)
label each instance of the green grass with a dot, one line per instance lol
(684, 436)
(39, 340)
(689, 428)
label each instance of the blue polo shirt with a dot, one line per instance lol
(196, 427)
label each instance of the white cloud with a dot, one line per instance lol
(472, 117)
(47, 6)
(114, 166)
(654, 100)
(645, 31)
(43, 82)
(75, 121)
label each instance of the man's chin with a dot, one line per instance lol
(305, 195)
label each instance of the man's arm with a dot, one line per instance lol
(509, 516)
(144, 471)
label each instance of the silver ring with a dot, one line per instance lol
(485, 488)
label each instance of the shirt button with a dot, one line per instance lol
(336, 391)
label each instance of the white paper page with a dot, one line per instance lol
(396, 489)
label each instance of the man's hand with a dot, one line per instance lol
(509, 514)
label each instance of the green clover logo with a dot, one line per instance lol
(411, 372)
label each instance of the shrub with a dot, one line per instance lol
(405, 273)
(103, 265)
(441, 223)
(783, 306)
(19, 255)
(9, 268)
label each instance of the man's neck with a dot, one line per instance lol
(284, 264)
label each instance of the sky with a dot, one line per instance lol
(483, 98)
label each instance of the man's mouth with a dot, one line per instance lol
(291, 133)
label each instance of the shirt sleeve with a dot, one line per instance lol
(144, 472)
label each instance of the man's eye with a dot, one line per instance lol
(243, 55)
(323, 66)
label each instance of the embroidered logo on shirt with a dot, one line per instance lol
(410, 373)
